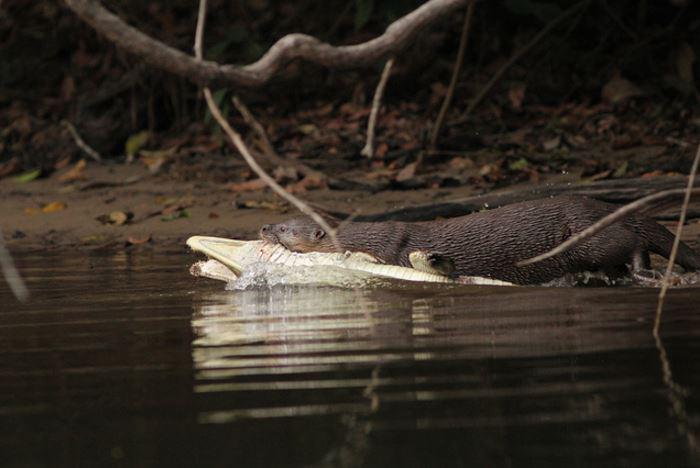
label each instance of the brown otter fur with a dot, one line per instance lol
(490, 243)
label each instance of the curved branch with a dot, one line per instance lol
(290, 47)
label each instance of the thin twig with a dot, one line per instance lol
(515, 57)
(257, 127)
(674, 250)
(241, 146)
(80, 142)
(676, 394)
(368, 150)
(199, 31)
(612, 218)
(463, 41)
(267, 148)
(12, 276)
(619, 22)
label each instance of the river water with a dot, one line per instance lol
(123, 359)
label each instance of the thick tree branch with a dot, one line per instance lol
(293, 46)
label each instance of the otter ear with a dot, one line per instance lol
(318, 234)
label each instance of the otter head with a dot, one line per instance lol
(298, 235)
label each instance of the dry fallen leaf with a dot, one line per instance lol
(170, 209)
(516, 95)
(552, 144)
(460, 163)
(516, 137)
(154, 160)
(309, 182)
(619, 89)
(324, 110)
(381, 150)
(607, 123)
(74, 173)
(118, 218)
(248, 186)
(407, 172)
(213, 215)
(53, 207)
(176, 204)
(62, 163)
(133, 240)
(285, 174)
(380, 174)
(652, 174)
(307, 129)
(348, 108)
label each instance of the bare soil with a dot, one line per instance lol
(48, 213)
(210, 209)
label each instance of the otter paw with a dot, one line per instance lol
(431, 262)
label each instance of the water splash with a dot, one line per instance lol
(266, 275)
(641, 278)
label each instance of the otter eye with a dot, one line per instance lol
(283, 228)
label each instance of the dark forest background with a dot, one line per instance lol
(632, 60)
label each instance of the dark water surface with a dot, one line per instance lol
(125, 360)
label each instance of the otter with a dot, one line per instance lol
(490, 243)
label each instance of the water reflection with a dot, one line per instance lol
(523, 361)
(125, 359)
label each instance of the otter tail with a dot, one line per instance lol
(660, 241)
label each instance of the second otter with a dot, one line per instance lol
(490, 243)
